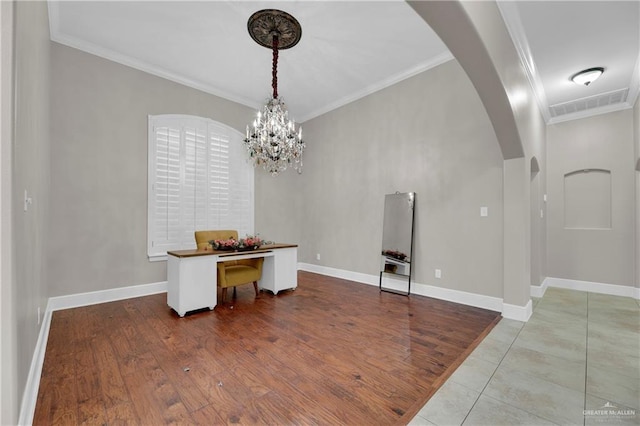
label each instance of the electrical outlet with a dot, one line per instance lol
(317, 256)
(438, 273)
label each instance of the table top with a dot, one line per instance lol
(210, 252)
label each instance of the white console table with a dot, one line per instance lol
(192, 274)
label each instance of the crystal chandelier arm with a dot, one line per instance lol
(274, 72)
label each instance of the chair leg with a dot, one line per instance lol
(255, 287)
(224, 294)
(234, 292)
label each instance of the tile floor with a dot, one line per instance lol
(575, 362)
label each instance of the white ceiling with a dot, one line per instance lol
(352, 48)
(556, 39)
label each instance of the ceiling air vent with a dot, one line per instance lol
(597, 101)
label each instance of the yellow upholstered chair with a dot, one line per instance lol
(231, 273)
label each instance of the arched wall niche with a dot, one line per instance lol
(587, 199)
(535, 166)
(536, 215)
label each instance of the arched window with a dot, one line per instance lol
(199, 179)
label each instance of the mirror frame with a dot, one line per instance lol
(394, 261)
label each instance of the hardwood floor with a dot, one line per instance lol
(330, 352)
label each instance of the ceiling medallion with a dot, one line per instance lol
(272, 140)
(264, 24)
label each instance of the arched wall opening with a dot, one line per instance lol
(481, 44)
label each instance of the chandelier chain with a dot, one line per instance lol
(274, 71)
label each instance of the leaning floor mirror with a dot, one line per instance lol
(397, 243)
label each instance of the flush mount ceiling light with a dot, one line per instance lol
(587, 76)
(272, 140)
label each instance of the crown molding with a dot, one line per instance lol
(511, 18)
(70, 41)
(508, 10)
(58, 37)
(422, 67)
(159, 72)
(149, 69)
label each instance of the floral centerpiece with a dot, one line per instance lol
(250, 242)
(227, 245)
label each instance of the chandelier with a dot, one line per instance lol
(272, 139)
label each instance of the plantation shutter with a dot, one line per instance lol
(240, 192)
(219, 180)
(165, 217)
(198, 179)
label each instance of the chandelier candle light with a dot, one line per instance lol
(272, 140)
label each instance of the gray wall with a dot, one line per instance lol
(636, 157)
(279, 201)
(597, 255)
(429, 134)
(8, 316)
(98, 220)
(30, 172)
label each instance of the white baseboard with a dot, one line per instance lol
(456, 296)
(30, 395)
(103, 296)
(339, 273)
(518, 313)
(462, 297)
(593, 287)
(538, 290)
